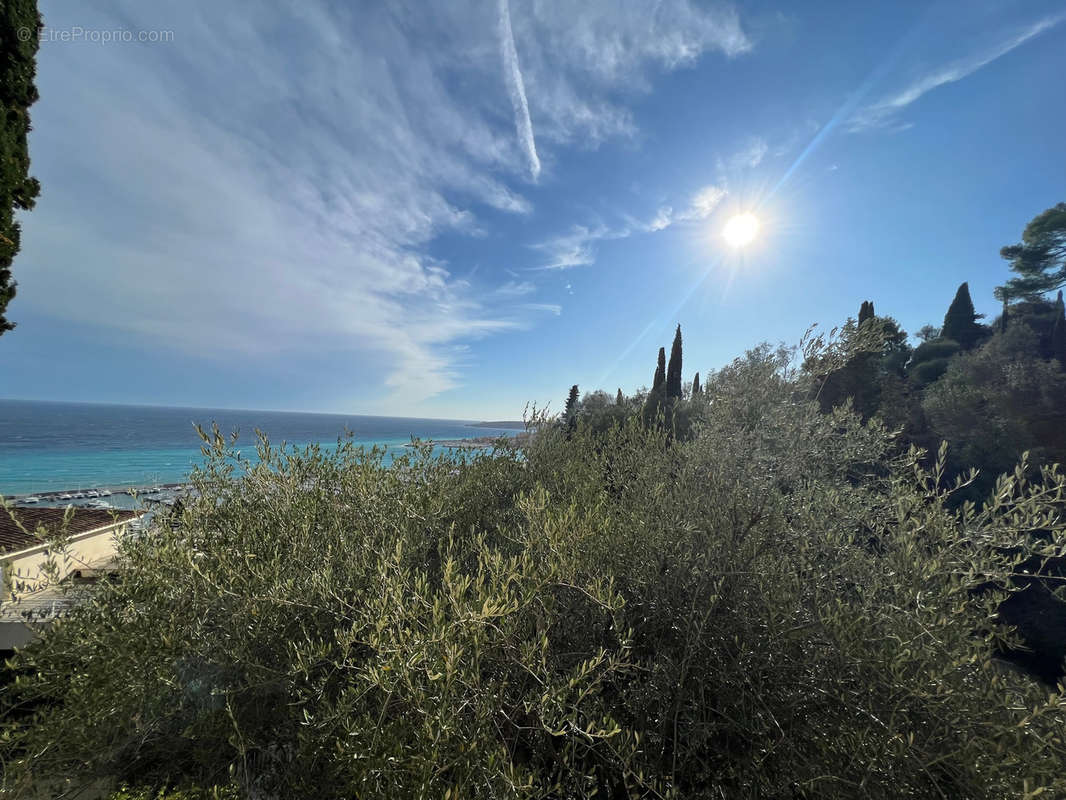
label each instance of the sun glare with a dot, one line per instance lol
(741, 230)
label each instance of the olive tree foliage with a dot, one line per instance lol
(191, 793)
(779, 605)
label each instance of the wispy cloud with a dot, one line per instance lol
(577, 247)
(282, 193)
(749, 156)
(883, 113)
(704, 202)
(700, 206)
(550, 308)
(515, 289)
(297, 207)
(662, 220)
(517, 89)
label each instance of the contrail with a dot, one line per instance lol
(516, 88)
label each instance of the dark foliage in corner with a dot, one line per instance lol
(19, 39)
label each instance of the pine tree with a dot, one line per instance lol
(1039, 259)
(696, 385)
(18, 191)
(1058, 333)
(659, 380)
(960, 323)
(673, 371)
(1004, 317)
(866, 311)
(619, 398)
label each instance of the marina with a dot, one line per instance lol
(114, 497)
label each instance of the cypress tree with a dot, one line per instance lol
(1004, 317)
(18, 191)
(1058, 333)
(866, 311)
(570, 414)
(656, 401)
(571, 402)
(619, 398)
(673, 371)
(659, 380)
(696, 385)
(960, 323)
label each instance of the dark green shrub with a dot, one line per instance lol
(929, 372)
(930, 360)
(997, 402)
(934, 349)
(858, 365)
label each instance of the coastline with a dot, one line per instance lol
(477, 442)
(151, 492)
(50, 449)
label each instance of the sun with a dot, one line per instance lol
(741, 230)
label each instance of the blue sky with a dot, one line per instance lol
(451, 209)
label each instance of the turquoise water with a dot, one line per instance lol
(46, 447)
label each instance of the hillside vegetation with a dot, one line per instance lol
(753, 587)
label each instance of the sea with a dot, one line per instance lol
(51, 447)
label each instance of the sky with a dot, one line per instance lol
(455, 209)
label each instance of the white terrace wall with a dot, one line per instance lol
(24, 570)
